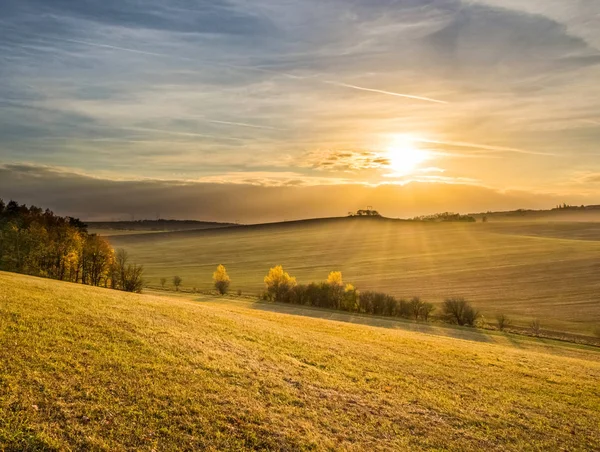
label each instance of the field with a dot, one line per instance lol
(526, 270)
(92, 369)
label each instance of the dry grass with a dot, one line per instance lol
(90, 369)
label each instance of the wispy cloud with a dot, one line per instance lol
(216, 89)
(502, 149)
(388, 93)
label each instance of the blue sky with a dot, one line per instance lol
(503, 95)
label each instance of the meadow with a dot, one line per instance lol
(86, 368)
(525, 270)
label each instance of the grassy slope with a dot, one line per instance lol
(90, 369)
(525, 270)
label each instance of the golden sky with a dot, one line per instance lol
(493, 96)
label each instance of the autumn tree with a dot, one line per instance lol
(221, 280)
(278, 283)
(38, 242)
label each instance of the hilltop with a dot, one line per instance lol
(87, 368)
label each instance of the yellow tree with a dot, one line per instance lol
(335, 279)
(336, 289)
(278, 283)
(221, 280)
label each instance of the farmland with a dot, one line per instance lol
(526, 270)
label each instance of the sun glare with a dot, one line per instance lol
(405, 156)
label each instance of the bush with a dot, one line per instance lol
(419, 309)
(163, 281)
(503, 322)
(177, 282)
(536, 327)
(378, 303)
(221, 280)
(126, 276)
(460, 311)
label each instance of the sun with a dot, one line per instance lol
(405, 156)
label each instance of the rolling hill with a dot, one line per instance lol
(86, 368)
(526, 270)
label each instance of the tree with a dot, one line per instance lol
(128, 276)
(278, 284)
(336, 290)
(221, 280)
(97, 260)
(416, 307)
(503, 321)
(177, 282)
(426, 310)
(460, 311)
(335, 278)
(536, 327)
(163, 281)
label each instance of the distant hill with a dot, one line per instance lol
(140, 226)
(561, 213)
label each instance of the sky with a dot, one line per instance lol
(266, 110)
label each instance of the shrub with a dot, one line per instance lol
(126, 276)
(536, 327)
(378, 303)
(221, 280)
(279, 284)
(460, 311)
(503, 322)
(419, 309)
(163, 281)
(177, 282)
(239, 292)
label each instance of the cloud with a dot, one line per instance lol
(214, 16)
(98, 198)
(344, 160)
(218, 89)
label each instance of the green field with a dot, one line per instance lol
(86, 368)
(526, 270)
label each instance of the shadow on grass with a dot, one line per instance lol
(376, 321)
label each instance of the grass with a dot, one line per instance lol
(91, 369)
(523, 270)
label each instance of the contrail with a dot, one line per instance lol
(389, 93)
(243, 68)
(242, 124)
(183, 134)
(250, 68)
(463, 144)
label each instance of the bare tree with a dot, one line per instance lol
(177, 282)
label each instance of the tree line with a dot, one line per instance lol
(281, 287)
(37, 242)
